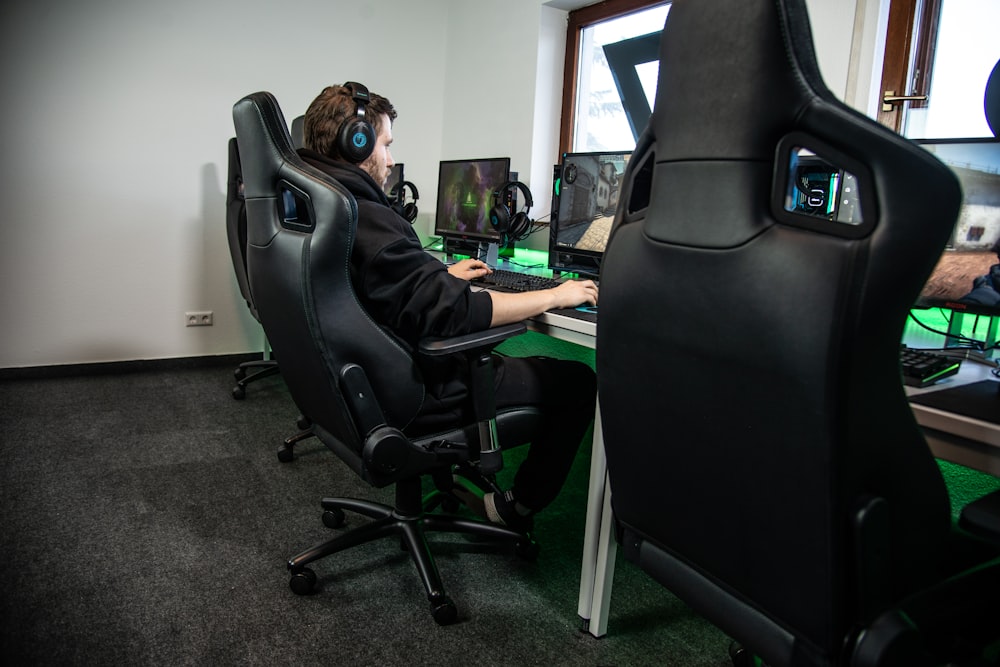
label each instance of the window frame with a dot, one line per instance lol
(578, 20)
(902, 56)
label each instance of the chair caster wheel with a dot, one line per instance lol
(303, 423)
(239, 393)
(740, 656)
(527, 549)
(286, 453)
(240, 373)
(334, 518)
(303, 581)
(444, 610)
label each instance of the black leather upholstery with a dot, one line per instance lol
(359, 387)
(764, 462)
(297, 131)
(236, 233)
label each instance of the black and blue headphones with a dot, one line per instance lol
(356, 136)
(512, 227)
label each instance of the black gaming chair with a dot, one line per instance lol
(236, 232)
(764, 463)
(298, 132)
(359, 386)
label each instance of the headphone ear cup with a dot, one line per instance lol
(519, 224)
(356, 140)
(410, 211)
(500, 218)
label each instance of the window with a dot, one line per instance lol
(944, 50)
(610, 75)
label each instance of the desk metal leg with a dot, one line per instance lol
(599, 550)
(607, 552)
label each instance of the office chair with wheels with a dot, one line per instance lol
(359, 386)
(764, 462)
(236, 232)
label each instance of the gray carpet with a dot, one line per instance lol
(146, 521)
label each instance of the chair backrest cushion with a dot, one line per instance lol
(301, 226)
(748, 356)
(236, 224)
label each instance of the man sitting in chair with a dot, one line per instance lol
(347, 134)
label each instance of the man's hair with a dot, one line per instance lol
(328, 112)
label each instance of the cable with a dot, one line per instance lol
(525, 266)
(434, 241)
(979, 345)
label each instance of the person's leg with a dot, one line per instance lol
(566, 392)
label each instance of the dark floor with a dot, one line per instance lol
(147, 520)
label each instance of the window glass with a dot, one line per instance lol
(967, 50)
(601, 123)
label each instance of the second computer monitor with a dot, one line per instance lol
(395, 179)
(465, 197)
(967, 276)
(586, 196)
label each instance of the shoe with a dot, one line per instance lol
(500, 510)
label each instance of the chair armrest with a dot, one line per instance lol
(950, 622)
(437, 347)
(982, 517)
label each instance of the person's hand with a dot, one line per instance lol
(573, 293)
(469, 269)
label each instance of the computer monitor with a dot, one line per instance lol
(967, 277)
(585, 196)
(395, 179)
(464, 199)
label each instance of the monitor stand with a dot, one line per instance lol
(488, 252)
(494, 251)
(492, 255)
(461, 247)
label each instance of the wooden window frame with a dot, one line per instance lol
(906, 18)
(578, 20)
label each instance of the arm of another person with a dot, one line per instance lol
(514, 307)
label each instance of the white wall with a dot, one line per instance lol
(115, 123)
(117, 114)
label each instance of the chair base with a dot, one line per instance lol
(268, 367)
(410, 524)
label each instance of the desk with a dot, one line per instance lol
(957, 438)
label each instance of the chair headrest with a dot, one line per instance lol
(761, 73)
(262, 132)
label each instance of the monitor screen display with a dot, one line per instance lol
(465, 197)
(967, 277)
(395, 179)
(587, 189)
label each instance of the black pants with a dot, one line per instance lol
(565, 393)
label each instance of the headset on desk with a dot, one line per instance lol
(511, 226)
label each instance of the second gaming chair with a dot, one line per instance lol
(360, 387)
(236, 233)
(764, 463)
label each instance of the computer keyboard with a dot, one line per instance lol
(515, 282)
(922, 368)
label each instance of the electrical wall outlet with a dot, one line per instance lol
(198, 318)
